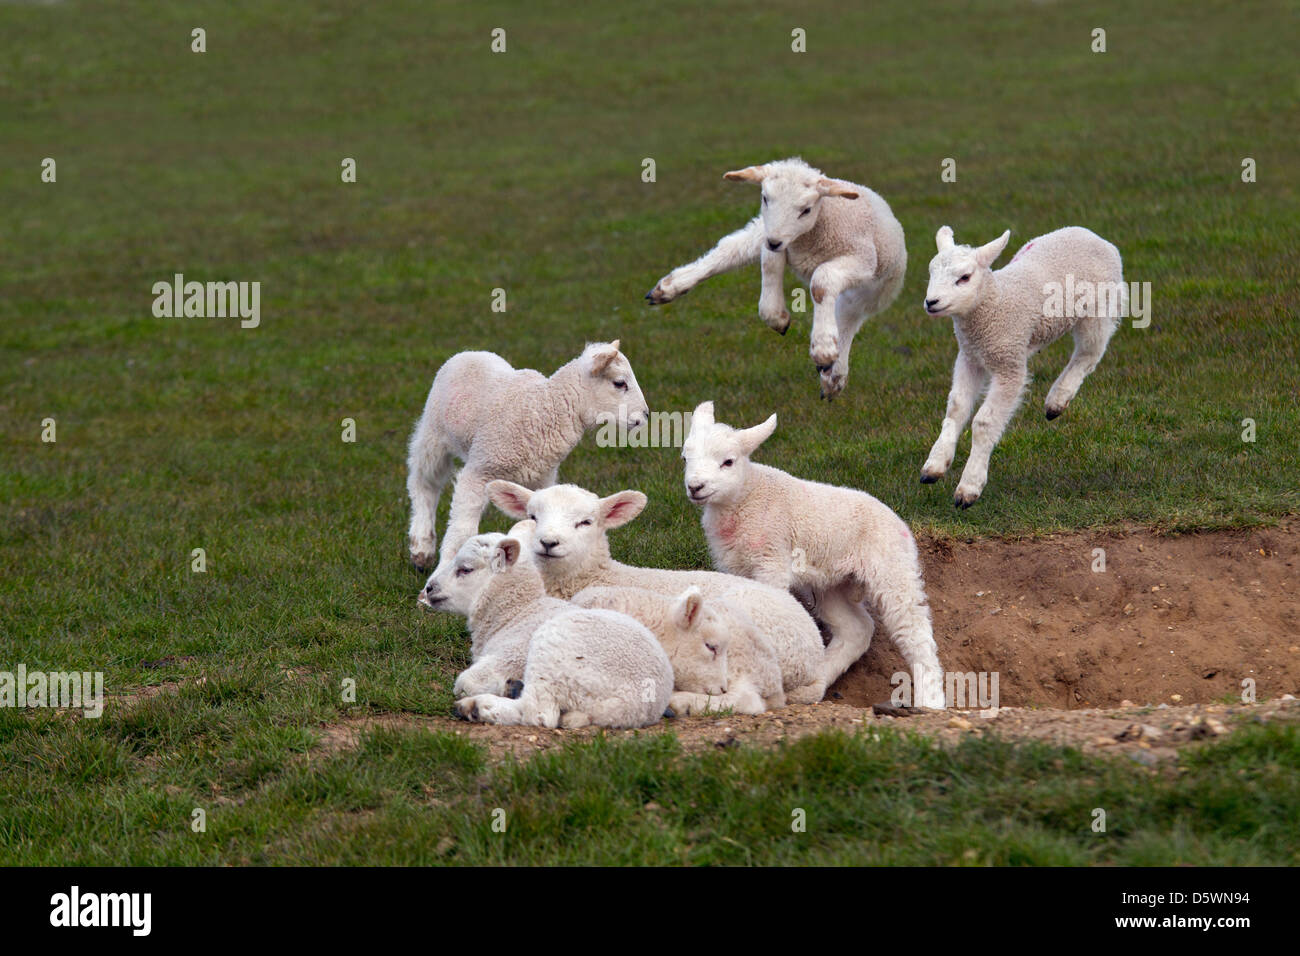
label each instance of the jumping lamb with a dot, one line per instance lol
(1001, 318)
(839, 237)
(510, 423)
(570, 547)
(721, 661)
(840, 550)
(578, 666)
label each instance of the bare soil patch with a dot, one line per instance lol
(1188, 615)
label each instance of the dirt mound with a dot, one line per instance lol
(1188, 615)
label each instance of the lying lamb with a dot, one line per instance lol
(838, 548)
(570, 547)
(1001, 318)
(504, 422)
(578, 666)
(849, 249)
(721, 661)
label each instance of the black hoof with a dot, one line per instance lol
(514, 688)
(670, 713)
(823, 368)
(1051, 414)
(929, 479)
(963, 505)
(650, 297)
(784, 330)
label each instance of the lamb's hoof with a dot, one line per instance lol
(889, 709)
(964, 501)
(657, 296)
(928, 479)
(423, 563)
(826, 367)
(784, 330)
(650, 297)
(514, 688)
(467, 709)
(1054, 413)
(670, 713)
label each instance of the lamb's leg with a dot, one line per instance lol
(905, 617)
(534, 708)
(968, 380)
(1091, 336)
(990, 421)
(484, 676)
(851, 629)
(732, 251)
(850, 314)
(429, 466)
(771, 301)
(742, 699)
(827, 282)
(467, 503)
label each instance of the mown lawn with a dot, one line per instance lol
(522, 171)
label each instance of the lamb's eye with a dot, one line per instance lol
(964, 279)
(764, 200)
(805, 212)
(620, 384)
(712, 649)
(728, 463)
(583, 523)
(461, 572)
(532, 518)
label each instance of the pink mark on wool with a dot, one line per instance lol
(727, 528)
(756, 541)
(1023, 249)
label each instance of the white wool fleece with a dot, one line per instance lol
(569, 545)
(839, 237)
(846, 553)
(721, 660)
(504, 422)
(578, 666)
(1001, 318)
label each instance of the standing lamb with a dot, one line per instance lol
(570, 547)
(721, 661)
(578, 666)
(1001, 318)
(839, 237)
(510, 423)
(841, 549)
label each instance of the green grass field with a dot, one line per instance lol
(522, 171)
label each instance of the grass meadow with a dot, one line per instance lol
(522, 171)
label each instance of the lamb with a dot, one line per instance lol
(570, 547)
(721, 661)
(578, 666)
(841, 550)
(1001, 318)
(504, 422)
(839, 237)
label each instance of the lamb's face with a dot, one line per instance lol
(612, 392)
(704, 630)
(568, 523)
(789, 207)
(792, 198)
(455, 585)
(716, 456)
(958, 274)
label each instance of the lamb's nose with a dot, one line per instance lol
(695, 489)
(931, 303)
(773, 244)
(548, 544)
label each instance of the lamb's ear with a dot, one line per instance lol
(509, 497)
(751, 438)
(620, 508)
(943, 238)
(505, 554)
(703, 414)
(750, 174)
(602, 356)
(686, 609)
(986, 255)
(829, 187)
